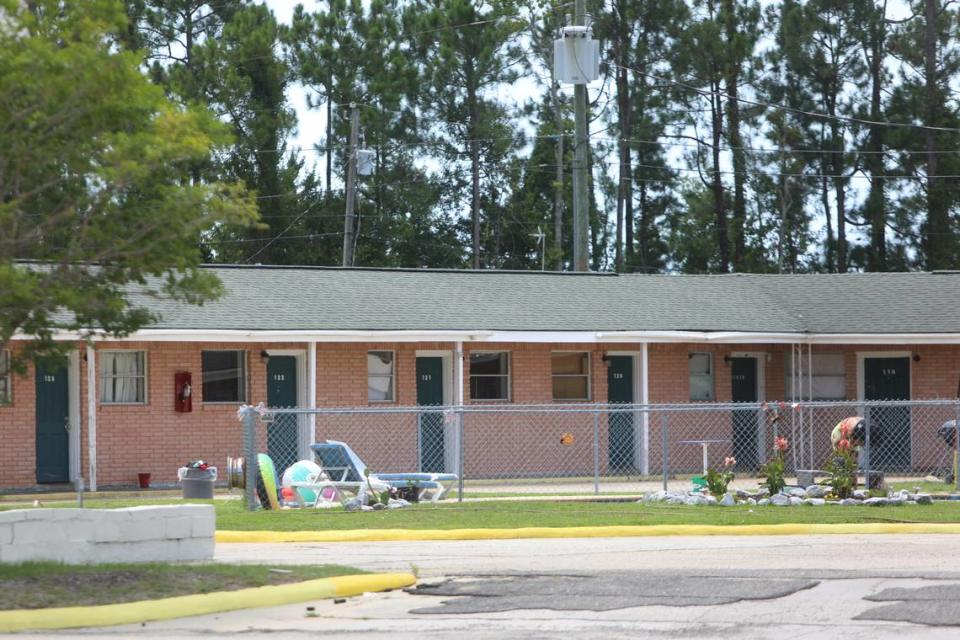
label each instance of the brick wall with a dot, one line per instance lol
(155, 439)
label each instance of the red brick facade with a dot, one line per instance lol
(153, 438)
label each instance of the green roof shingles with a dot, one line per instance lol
(291, 298)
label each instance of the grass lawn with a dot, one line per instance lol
(39, 585)
(508, 514)
(514, 514)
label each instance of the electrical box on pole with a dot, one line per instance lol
(576, 55)
(576, 61)
(365, 162)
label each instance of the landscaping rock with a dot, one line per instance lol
(924, 498)
(814, 502)
(816, 491)
(761, 493)
(794, 501)
(796, 492)
(750, 501)
(861, 494)
(762, 502)
(849, 502)
(397, 503)
(379, 506)
(366, 507)
(353, 504)
(876, 502)
(727, 500)
(780, 500)
(656, 496)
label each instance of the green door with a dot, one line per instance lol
(888, 379)
(430, 393)
(620, 445)
(53, 424)
(282, 392)
(743, 388)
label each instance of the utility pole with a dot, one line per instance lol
(581, 201)
(349, 224)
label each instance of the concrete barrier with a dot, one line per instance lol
(170, 533)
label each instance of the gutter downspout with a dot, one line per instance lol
(459, 396)
(92, 417)
(312, 389)
(645, 400)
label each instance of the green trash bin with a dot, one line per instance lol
(197, 483)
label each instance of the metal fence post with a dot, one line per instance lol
(250, 457)
(866, 447)
(460, 453)
(596, 452)
(664, 427)
(956, 449)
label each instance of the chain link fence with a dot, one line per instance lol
(503, 450)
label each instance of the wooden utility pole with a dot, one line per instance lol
(349, 224)
(581, 200)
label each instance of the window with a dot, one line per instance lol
(224, 376)
(571, 376)
(490, 375)
(123, 377)
(700, 367)
(6, 389)
(380, 376)
(829, 377)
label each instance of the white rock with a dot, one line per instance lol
(751, 502)
(815, 491)
(861, 494)
(780, 500)
(796, 492)
(795, 501)
(815, 502)
(727, 500)
(762, 502)
(849, 502)
(876, 502)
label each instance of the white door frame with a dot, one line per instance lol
(304, 432)
(450, 442)
(73, 403)
(640, 426)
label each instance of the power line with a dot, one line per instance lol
(812, 114)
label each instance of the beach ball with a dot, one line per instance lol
(302, 471)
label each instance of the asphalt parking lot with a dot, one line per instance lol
(850, 586)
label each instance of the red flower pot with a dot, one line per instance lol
(144, 480)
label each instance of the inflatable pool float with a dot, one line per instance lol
(267, 482)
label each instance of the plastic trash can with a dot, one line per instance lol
(197, 483)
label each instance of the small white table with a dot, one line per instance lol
(705, 445)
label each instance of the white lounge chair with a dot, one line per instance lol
(344, 466)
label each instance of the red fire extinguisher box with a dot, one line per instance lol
(183, 392)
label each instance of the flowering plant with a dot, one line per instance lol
(842, 467)
(772, 471)
(717, 481)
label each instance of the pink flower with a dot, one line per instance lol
(843, 445)
(729, 461)
(781, 444)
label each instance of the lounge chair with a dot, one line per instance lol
(343, 465)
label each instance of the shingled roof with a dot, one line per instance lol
(272, 298)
